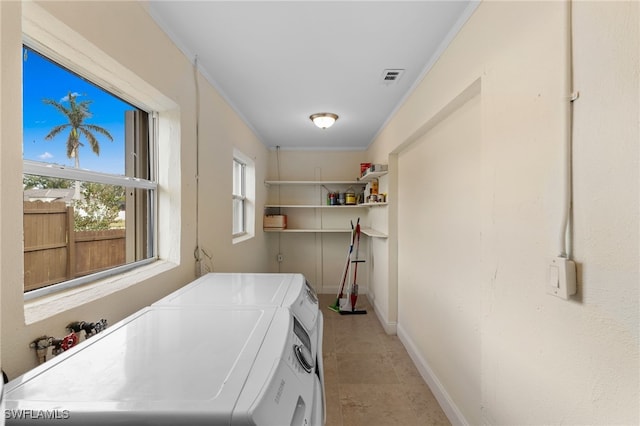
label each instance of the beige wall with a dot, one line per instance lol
(124, 33)
(440, 254)
(10, 188)
(494, 347)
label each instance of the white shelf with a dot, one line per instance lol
(372, 175)
(366, 231)
(313, 182)
(373, 233)
(290, 230)
(310, 206)
(323, 206)
(373, 204)
(362, 181)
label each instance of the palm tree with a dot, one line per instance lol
(76, 114)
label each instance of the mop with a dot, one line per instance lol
(349, 306)
(336, 306)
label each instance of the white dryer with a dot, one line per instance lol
(170, 365)
(288, 291)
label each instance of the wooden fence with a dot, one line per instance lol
(54, 252)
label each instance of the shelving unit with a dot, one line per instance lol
(371, 176)
(317, 206)
(313, 182)
(319, 195)
(379, 204)
(373, 233)
(309, 231)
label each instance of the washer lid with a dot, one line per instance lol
(163, 365)
(232, 289)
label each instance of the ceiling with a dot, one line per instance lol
(278, 62)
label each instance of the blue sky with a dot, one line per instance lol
(43, 79)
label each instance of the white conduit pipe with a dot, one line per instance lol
(565, 240)
(196, 251)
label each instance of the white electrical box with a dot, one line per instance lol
(561, 277)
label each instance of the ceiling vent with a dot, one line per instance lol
(390, 76)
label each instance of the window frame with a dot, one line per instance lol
(249, 197)
(55, 39)
(36, 168)
(242, 197)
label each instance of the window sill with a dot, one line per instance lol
(53, 304)
(242, 237)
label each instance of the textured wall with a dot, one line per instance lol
(535, 359)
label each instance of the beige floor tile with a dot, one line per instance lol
(405, 369)
(328, 343)
(330, 365)
(370, 380)
(391, 342)
(358, 343)
(375, 405)
(333, 411)
(425, 405)
(365, 368)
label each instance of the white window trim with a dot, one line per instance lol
(249, 197)
(241, 196)
(56, 40)
(57, 171)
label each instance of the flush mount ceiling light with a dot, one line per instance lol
(323, 119)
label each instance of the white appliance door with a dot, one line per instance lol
(279, 392)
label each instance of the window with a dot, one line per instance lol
(90, 188)
(239, 198)
(244, 194)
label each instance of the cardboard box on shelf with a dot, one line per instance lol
(275, 221)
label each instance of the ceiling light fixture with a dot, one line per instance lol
(323, 119)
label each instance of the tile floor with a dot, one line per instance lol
(369, 378)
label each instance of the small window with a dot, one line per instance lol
(89, 183)
(243, 197)
(239, 198)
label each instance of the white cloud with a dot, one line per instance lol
(45, 156)
(66, 98)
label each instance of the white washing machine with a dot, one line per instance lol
(288, 291)
(171, 365)
(233, 289)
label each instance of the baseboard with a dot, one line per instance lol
(389, 327)
(449, 407)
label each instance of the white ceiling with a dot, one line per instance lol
(278, 62)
